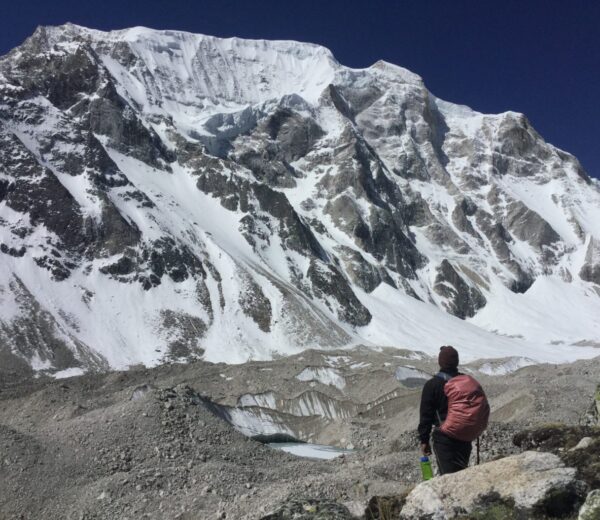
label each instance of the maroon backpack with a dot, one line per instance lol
(468, 409)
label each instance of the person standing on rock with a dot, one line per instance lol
(455, 406)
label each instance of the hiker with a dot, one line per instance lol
(455, 406)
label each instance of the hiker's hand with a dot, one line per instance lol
(425, 449)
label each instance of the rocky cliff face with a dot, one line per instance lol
(165, 195)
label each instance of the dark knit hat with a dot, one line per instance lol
(448, 358)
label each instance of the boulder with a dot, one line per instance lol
(559, 439)
(583, 444)
(531, 484)
(591, 509)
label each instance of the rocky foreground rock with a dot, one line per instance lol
(530, 484)
(591, 509)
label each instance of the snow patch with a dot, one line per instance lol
(503, 367)
(325, 376)
(68, 372)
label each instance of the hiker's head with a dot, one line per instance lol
(448, 358)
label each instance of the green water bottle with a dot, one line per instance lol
(426, 468)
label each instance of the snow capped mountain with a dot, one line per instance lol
(166, 195)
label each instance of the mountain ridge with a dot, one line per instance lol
(164, 196)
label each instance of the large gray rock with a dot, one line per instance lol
(532, 483)
(591, 509)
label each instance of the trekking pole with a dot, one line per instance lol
(478, 451)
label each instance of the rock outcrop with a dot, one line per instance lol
(591, 508)
(577, 446)
(536, 485)
(590, 271)
(463, 300)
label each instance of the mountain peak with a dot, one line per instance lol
(189, 67)
(168, 195)
(397, 71)
(141, 34)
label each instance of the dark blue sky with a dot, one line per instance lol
(540, 57)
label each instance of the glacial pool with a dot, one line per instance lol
(309, 450)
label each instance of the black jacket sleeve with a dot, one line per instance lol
(429, 406)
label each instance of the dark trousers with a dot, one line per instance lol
(452, 455)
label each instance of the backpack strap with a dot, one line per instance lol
(437, 412)
(445, 376)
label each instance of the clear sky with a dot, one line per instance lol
(540, 57)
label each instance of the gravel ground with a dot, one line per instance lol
(142, 444)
